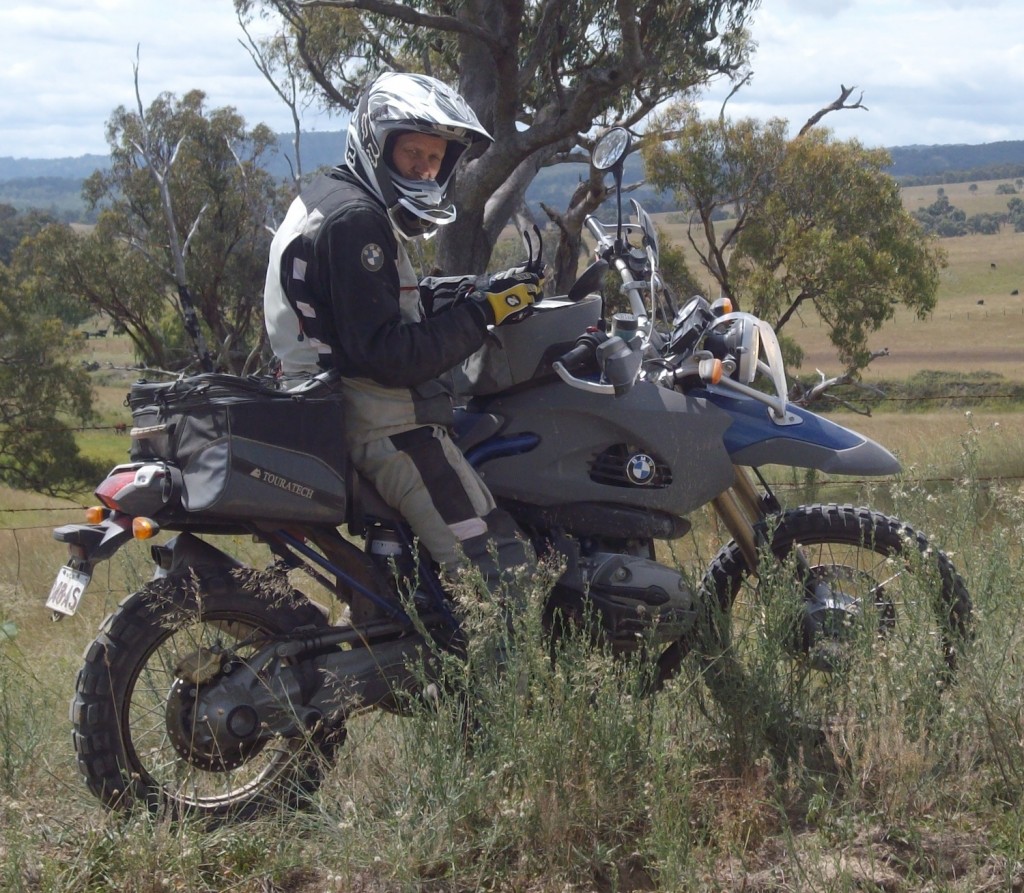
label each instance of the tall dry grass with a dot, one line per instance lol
(575, 781)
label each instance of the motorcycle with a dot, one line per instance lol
(219, 689)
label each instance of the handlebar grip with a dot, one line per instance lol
(577, 358)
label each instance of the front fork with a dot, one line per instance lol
(742, 509)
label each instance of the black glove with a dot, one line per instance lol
(440, 293)
(510, 295)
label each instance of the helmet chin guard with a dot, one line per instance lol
(396, 103)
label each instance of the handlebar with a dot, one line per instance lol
(584, 354)
(576, 358)
(618, 361)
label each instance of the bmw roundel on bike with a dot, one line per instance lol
(220, 689)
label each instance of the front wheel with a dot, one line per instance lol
(850, 612)
(133, 731)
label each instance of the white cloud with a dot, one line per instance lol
(74, 61)
(932, 71)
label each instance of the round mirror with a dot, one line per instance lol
(610, 149)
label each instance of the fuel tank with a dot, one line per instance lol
(652, 449)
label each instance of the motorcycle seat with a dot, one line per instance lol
(471, 428)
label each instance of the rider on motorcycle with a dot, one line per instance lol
(341, 293)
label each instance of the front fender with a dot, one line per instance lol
(807, 440)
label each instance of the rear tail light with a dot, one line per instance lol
(108, 490)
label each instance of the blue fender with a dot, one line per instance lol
(806, 440)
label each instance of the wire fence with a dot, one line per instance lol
(782, 486)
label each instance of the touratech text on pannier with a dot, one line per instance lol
(246, 449)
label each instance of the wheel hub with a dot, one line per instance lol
(830, 616)
(215, 744)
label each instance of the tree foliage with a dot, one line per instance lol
(1015, 214)
(184, 204)
(813, 221)
(541, 76)
(41, 390)
(16, 226)
(942, 218)
(717, 169)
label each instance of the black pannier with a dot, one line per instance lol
(246, 450)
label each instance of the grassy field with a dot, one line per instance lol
(580, 784)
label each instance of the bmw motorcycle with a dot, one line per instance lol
(220, 689)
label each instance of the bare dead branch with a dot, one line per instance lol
(289, 97)
(735, 89)
(195, 227)
(803, 396)
(835, 106)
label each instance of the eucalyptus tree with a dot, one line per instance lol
(542, 76)
(43, 391)
(183, 219)
(787, 224)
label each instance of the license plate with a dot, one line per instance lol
(67, 590)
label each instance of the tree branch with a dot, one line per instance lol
(195, 226)
(406, 14)
(835, 106)
(289, 98)
(802, 396)
(742, 82)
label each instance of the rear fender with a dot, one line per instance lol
(185, 552)
(92, 543)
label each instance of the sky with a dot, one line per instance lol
(929, 71)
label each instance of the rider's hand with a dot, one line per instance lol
(510, 295)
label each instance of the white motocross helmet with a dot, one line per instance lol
(397, 103)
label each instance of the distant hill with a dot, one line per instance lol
(55, 184)
(929, 161)
(318, 148)
(51, 168)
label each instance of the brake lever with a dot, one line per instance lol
(533, 264)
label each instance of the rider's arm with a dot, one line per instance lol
(358, 254)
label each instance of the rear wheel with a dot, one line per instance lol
(851, 611)
(134, 729)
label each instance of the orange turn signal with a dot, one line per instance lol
(96, 514)
(711, 371)
(144, 528)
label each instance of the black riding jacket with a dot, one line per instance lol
(341, 293)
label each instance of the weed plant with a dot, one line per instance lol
(543, 765)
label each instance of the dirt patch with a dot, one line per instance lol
(875, 860)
